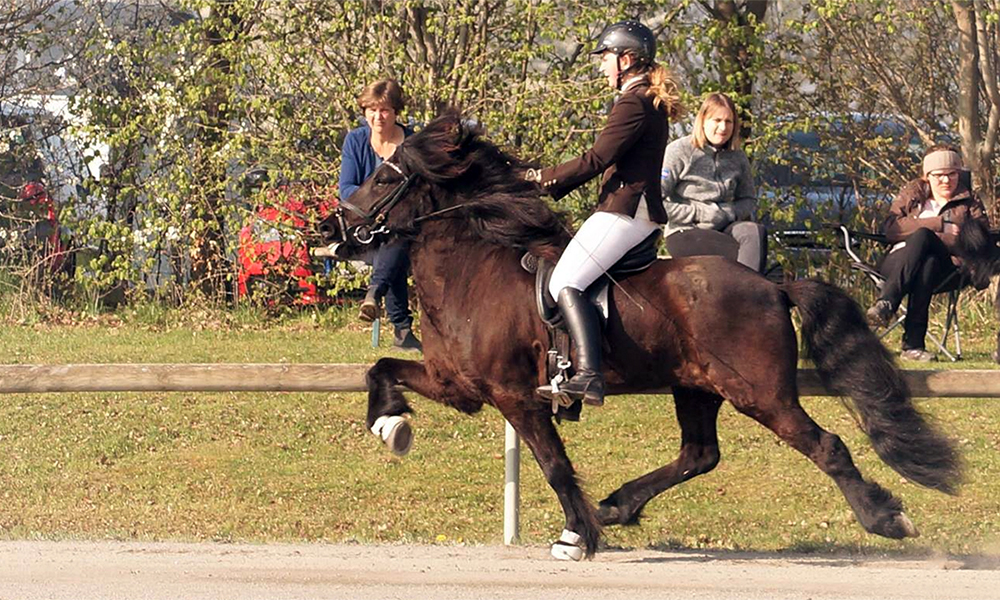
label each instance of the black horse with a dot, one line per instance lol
(708, 328)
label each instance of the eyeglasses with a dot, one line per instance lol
(945, 175)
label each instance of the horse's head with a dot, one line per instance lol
(447, 170)
(400, 194)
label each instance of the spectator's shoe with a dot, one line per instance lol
(369, 306)
(405, 340)
(917, 355)
(880, 313)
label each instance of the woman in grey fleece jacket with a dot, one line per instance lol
(708, 190)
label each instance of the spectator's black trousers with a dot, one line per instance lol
(916, 270)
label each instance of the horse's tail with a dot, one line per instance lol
(851, 361)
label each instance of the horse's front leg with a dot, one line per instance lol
(387, 406)
(533, 423)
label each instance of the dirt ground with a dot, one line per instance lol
(112, 570)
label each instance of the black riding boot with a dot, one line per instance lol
(584, 327)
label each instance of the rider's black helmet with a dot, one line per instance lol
(628, 36)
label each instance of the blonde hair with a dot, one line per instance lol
(384, 92)
(710, 104)
(663, 88)
(662, 85)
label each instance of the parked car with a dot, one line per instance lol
(828, 171)
(273, 258)
(838, 169)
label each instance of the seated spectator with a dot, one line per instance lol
(923, 226)
(364, 150)
(709, 192)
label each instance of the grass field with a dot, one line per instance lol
(292, 467)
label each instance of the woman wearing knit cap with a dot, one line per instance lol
(923, 227)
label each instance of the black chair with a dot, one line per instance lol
(952, 286)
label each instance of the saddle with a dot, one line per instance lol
(558, 365)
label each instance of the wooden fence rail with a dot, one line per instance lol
(351, 378)
(339, 377)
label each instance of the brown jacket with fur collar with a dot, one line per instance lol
(904, 213)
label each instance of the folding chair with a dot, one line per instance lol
(952, 285)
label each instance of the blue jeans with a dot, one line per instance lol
(389, 272)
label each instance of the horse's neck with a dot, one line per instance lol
(448, 264)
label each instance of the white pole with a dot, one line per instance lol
(511, 486)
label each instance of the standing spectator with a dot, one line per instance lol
(923, 226)
(364, 150)
(709, 192)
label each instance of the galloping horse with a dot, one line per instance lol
(708, 328)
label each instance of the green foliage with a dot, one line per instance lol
(182, 98)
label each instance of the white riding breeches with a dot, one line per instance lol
(603, 239)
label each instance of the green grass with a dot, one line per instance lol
(290, 467)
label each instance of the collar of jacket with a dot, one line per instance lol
(632, 82)
(922, 192)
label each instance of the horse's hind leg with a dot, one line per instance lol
(876, 509)
(534, 424)
(387, 405)
(697, 412)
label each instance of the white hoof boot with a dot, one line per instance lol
(396, 432)
(567, 547)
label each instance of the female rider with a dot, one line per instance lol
(629, 152)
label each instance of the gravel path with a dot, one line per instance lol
(171, 571)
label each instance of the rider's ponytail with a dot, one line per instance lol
(663, 88)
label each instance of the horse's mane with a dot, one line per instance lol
(500, 206)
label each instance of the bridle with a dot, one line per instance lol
(374, 219)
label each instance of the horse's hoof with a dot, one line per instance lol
(608, 514)
(567, 547)
(396, 432)
(905, 525)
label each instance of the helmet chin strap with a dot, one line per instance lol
(622, 73)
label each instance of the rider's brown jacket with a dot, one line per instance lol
(629, 150)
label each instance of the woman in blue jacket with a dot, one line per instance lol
(364, 150)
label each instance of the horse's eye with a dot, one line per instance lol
(383, 179)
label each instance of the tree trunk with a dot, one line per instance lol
(969, 123)
(208, 263)
(736, 59)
